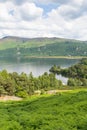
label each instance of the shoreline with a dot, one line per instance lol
(56, 57)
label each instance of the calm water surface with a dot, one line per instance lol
(36, 66)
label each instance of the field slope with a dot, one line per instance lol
(15, 46)
(66, 111)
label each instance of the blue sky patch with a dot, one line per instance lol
(11, 12)
(47, 7)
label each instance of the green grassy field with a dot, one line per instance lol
(63, 111)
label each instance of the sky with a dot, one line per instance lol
(44, 18)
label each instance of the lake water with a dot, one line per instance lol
(35, 65)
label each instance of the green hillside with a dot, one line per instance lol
(64, 111)
(14, 46)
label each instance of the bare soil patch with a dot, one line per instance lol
(57, 91)
(10, 98)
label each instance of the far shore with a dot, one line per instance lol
(57, 57)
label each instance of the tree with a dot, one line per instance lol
(74, 82)
(55, 69)
(2, 91)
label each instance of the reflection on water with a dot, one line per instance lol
(35, 65)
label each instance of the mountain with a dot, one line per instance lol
(15, 46)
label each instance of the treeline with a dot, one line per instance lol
(77, 74)
(23, 85)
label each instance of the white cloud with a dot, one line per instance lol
(19, 2)
(30, 12)
(69, 11)
(25, 19)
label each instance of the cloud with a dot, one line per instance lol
(26, 18)
(19, 2)
(74, 10)
(29, 11)
(69, 12)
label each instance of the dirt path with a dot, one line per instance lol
(57, 91)
(38, 92)
(10, 98)
(14, 98)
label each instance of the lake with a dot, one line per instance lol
(35, 65)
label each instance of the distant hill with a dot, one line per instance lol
(15, 46)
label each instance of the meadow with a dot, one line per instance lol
(62, 111)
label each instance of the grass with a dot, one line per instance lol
(63, 111)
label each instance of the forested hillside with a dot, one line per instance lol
(14, 46)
